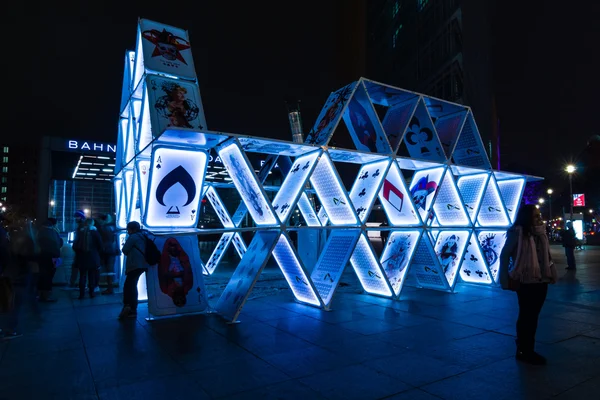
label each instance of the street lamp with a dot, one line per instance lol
(550, 191)
(591, 211)
(52, 203)
(541, 200)
(570, 170)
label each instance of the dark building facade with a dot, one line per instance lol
(18, 179)
(442, 48)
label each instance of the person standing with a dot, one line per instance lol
(79, 222)
(569, 241)
(526, 267)
(88, 247)
(108, 232)
(135, 265)
(49, 243)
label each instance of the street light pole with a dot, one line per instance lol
(570, 170)
(550, 191)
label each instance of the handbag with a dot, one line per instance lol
(7, 295)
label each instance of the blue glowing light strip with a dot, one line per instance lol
(368, 270)
(397, 200)
(449, 250)
(366, 187)
(217, 254)
(397, 255)
(511, 191)
(426, 266)
(471, 189)
(309, 214)
(473, 268)
(448, 206)
(492, 212)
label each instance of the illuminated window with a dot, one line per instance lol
(6, 149)
(421, 4)
(4, 159)
(5, 169)
(395, 38)
(3, 189)
(4, 179)
(395, 8)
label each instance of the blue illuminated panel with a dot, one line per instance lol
(121, 211)
(128, 186)
(366, 186)
(287, 196)
(141, 287)
(176, 179)
(420, 138)
(134, 200)
(511, 191)
(491, 243)
(294, 273)
(143, 175)
(333, 260)
(423, 188)
(469, 148)
(217, 254)
(491, 212)
(433, 234)
(245, 275)
(448, 129)
(368, 270)
(220, 210)
(448, 206)
(471, 188)
(474, 268)
(239, 245)
(449, 250)
(396, 256)
(333, 197)
(309, 214)
(145, 125)
(426, 266)
(247, 185)
(396, 120)
(396, 199)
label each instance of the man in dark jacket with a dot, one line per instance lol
(88, 247)
(569, 241)
(79, 221)
(108, 232)
(49, 243)
(135, 265)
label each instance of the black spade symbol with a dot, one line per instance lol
(178, 175)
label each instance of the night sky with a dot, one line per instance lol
(66, 67)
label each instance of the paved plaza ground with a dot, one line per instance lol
(428, 345)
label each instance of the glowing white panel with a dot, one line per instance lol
(366, 186)
(474, 268)
(396, 256)
(121, 142)
(353, 156)
(426, 266)
(176, 179)
(125, 91)
(136, 109)
(433, 234)
(247, 185)
(396, 121)
(333, 260)
(491, 243)
(145, 125)
(245, 275)
(130, 145)
(293, 184)
(294, 272)
(469, 149)
(138, 70)
(121, 219)
(239, 245)
(423, 189)
(174, 104)
(449, 249)
(128, 190)
(368, 270)
(396, 200)
(448, 205)
(333, 197)
(176, 284)
(217, 254)
(421, 139)
(143, 174)
(491, 212)
(219, 207)
(363, 124)
(134, 200)
(167, 50)
(276, 147)
(309, 214)
(141, 287)
(511, 192)
(330, 115)
(471, 188)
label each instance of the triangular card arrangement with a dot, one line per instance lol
(397, 255)
(448, 205)
(511, 191)
(397, 200)
(491, 243)
(471, 189)
(423, 189)
(421, 139)
(396, 121)
(366, 187)
(449, 248)
(426, 267)
(368, 270)
(491, 212)
(474, 268)
(469, 149)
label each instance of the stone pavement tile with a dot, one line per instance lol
(414, 394)
(270, 314)
(59, 335)
(129, 361)
(369, 326)
(581, 315)
(287, 390)
(303, 362)
(594, 334)
(98, 313)
(586, 390)
(552, 330)
(335, 317)
(312, 330)
(472, 351)
(238, 376)
(363, 349)
(58, 374)
(584, 345)
(485, 321)
(111, 332)
(393, 315)
(428, 335)
(175, 387)
(354, 382)
(414, 368)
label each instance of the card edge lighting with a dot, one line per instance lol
(473, 218)
(369, 251)
(448, 180)
(419, 233)
(459, 257)
(378, 186)
(496, 191)
(419, 221)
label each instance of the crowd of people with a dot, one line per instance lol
(30, 254)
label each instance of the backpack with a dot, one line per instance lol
(152, 254)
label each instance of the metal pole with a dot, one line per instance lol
(571, 199)
(550, 207)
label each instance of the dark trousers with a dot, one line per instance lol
(47, 272)
(90, 274)
(130, 292)
(570, 253)
(531, 299)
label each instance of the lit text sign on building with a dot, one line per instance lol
(80, 145)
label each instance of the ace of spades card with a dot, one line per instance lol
(176, 178)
